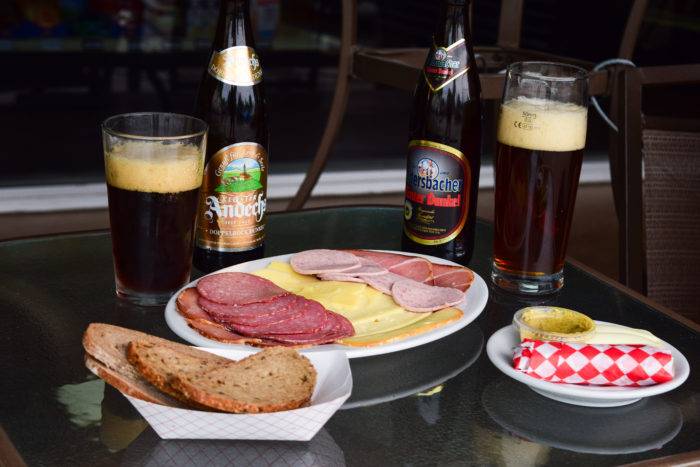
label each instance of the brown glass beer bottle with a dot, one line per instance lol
(232, 208)
(444, 151)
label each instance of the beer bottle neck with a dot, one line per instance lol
(453, 24)
(234, 25)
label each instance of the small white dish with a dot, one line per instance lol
(473, 305)
(500, 347)
(333, 387)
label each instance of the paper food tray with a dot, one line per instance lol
(333, 387)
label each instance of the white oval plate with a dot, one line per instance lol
(473, 305)
(500, 347)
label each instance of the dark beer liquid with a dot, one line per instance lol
(445, 145)
(152, 238)
(232, 101)
(533, 217)
(537, 165)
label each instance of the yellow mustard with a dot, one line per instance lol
(553, 324)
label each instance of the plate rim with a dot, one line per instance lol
(610, 393)
(177, 325)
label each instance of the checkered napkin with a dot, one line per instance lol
(594, 364)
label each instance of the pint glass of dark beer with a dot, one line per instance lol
(153, 166)
(541, 136)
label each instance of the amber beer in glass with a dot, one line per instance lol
(153, 167)
(541, 136)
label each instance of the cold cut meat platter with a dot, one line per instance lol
(365, 302)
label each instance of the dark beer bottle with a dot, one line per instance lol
(231, 216)
(444, 151)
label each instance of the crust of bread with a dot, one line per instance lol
(135, 388)
(158, 374)
(106, 346)
(200, 388)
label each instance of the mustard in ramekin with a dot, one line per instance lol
(551, 323)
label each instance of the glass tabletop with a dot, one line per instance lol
(440, 403)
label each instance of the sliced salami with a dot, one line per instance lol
(419, 297)
(309, 319)
(188, 305)
(237, 288)
(323, 261)
(336, 327)
(221, 334)
(383, 282)
(277, 309)
(343, 325)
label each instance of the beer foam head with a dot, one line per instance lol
(154, 167)
(542, 125)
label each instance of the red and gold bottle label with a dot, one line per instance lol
(237, 66)
(445, 64)
(438, 181)
(233, 199)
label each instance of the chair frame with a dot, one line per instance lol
(399, 68)
(629, 167)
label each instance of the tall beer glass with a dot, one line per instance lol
(153, 165)
(541, 136)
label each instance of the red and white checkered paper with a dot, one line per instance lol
(594, 364)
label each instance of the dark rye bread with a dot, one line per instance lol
(158, 363)
(135, 387)
(271, 380)
(107, 345)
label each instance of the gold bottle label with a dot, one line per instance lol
(237, 66)
(233, 199)
(445, 64)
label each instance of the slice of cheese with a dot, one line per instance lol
(369, 311)
(610, 333)
(431, 321)
(284, 276)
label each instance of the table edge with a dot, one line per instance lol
(635, 295)
(682, 459)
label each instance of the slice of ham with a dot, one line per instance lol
(338, 276)
(384, 282)
(419, 297)
(457, 277)
(412, 267)
(418, 269)
(366, 268)
(323, 261)
(237, 288)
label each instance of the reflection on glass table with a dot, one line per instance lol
(377, 380)
(642, 426)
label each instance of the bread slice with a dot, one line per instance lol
(107, 345)
(158, 363)
(134, 387)
(276, 378)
